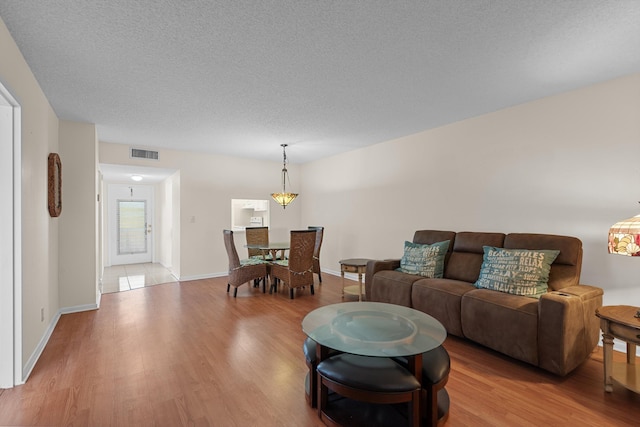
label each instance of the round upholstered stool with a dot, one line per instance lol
(311, 380)
(436, 366)
(367, 379)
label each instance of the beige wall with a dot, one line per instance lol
(203, 190)
(39, 230)
(78, 244)
(167, 226)
(174, 243)
(562, 165)
(57, 273)
(566, 164)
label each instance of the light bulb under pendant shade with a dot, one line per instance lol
(284, 198)
(624, 237)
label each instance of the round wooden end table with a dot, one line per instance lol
(622, 322)
(353, 265)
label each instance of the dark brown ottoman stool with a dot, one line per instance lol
(377, 380)
(436, 366)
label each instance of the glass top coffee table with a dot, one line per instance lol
(372, 329)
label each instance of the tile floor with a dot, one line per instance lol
(120, 278)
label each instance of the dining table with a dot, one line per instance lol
(271, 248)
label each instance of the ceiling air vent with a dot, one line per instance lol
(137, 153)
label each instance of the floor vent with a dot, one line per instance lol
(137, 153)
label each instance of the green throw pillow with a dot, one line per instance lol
(424, 260)
(516, 271)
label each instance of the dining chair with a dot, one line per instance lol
(257, 236)
(243, 271)
(316, 249)
(297, 270)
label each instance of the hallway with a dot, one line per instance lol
(126, 277)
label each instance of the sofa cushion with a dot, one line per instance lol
(565, 270)
(466, 257)
(516, 271)
(441, 298)
(504, 322)
(433, 236)
(392, 287)
(424, 260)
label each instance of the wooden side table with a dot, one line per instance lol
(353, 265)
(620, 321)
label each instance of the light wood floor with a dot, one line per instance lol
(190, 354)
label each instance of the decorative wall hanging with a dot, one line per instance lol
(55, 185)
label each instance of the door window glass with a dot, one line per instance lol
(132, 227)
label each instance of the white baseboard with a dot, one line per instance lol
(78, 308)
(351, 276)
(201, 276)
(37, 352)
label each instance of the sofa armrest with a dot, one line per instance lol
(568, 328)
(373, 266)
(585, 292)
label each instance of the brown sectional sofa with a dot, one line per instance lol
(556, 332)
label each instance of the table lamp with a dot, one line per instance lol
(624, 239)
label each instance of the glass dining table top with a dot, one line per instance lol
(374, 329)
(276, 246)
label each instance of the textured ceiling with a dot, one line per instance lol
(242, 77)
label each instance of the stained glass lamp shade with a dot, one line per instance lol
(624, 237)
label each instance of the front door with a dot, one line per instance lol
(130, 224)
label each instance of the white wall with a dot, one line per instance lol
(566, 164)
(163, 247)
(202, 192)
(78, 245)
(175, 223)
(40, 231)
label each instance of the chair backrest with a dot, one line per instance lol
(232, 253)
(256, 236)
(301, 249)
(319, 234)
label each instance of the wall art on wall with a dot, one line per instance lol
(55, 185)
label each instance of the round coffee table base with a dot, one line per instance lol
(342, 411)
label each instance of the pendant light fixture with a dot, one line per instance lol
(284, 198)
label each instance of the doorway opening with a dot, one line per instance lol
(140, 226)
(10, 242)
(130, 216)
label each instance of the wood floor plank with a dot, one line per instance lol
(189, 354)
